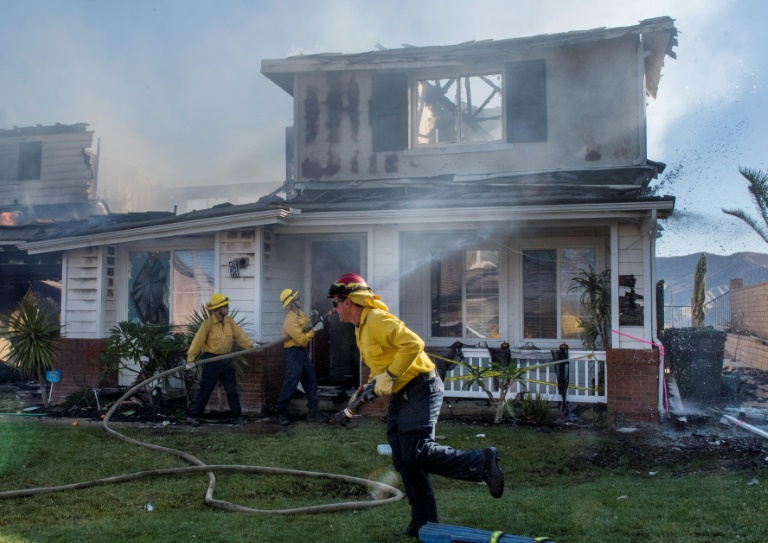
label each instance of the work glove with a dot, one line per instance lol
(255, 344)
(189, 366)
(383, 383)
(317, 327)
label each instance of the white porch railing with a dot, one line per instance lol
(587, 382)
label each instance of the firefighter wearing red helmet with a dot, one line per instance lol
(400, 368)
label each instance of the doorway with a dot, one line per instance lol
(334, 350)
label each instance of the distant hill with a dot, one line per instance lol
(677, 273)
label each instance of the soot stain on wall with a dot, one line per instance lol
(390, 163)
(311, 113)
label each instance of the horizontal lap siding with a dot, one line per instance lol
(236, 245)
(283, 268)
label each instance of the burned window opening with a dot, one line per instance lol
(446, 110)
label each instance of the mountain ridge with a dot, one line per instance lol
(677, 273)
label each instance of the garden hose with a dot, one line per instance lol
(374, 487)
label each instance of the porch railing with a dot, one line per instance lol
(587, 376)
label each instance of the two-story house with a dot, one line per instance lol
(469, 184)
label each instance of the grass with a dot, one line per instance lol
(551, 489)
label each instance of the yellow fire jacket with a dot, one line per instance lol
(292, 326)
(386, 344)
(217, 338)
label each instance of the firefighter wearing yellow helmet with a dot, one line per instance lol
(400, 368)
(298, 366)
(215, 337)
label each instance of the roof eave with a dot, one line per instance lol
(196, 227)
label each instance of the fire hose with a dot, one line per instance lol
(374, 487)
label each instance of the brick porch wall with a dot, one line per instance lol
(259, 384)
(79, 370)
(633, 381)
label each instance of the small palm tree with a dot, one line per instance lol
(34, 334)
(758, 188)
(595, 298)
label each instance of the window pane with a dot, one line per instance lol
(436, 111)
(481, 107)
(540, 293)
(572, 261)
(148, 286)
(192, 282)
(482, 294)
(446, 294)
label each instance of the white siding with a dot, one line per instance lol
(631, 254)
(235, 245)
(284, 267)
(81, 307)
(384, 268)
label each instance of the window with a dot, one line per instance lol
(464, 109)
(30, 160)
(550, 307)
(508, 105)
(162, 284)
(464, 289)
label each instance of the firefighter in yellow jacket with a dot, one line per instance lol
(298, 366)
(216, 336)
(400, 367)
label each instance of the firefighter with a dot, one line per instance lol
(298, 367)
(215, 337)
(400, 368)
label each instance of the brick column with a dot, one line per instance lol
(261, 381)
(633, 381)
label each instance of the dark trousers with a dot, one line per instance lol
(411, 421)
(213, 372)
(298, 369)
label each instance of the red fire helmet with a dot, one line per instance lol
(346, 284)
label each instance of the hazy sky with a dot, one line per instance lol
(174, 92)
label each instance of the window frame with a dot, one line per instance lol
(511, 135)
(466, 247)
(122, 275)
(598, 244)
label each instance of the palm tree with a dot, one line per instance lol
(758, 188)
(34, 334)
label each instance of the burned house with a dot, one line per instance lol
(469, 184)
(46, 176)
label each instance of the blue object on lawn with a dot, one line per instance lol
(53, 376)
(445, 533)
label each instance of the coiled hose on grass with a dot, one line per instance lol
(199, 466)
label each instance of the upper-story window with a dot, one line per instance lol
(22, 161)
(488, 106)
(464, 109)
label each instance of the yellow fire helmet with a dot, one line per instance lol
(287, 296)
(217, 301)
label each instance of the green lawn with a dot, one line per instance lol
(554, 487)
